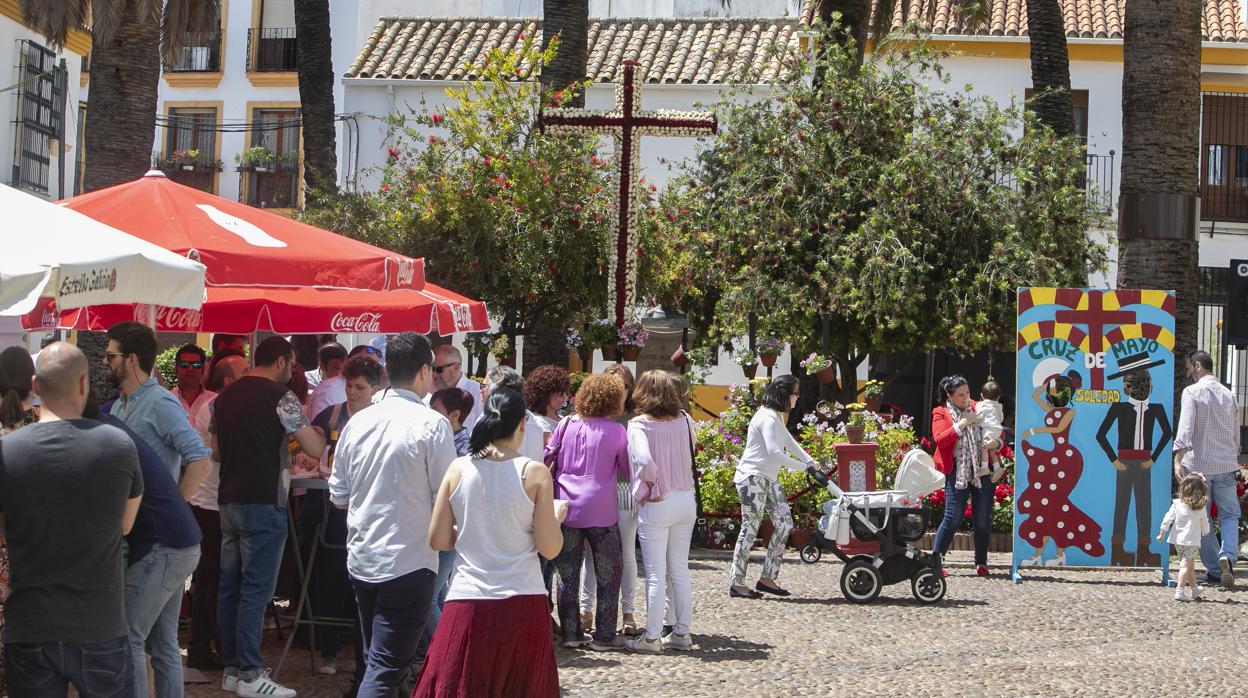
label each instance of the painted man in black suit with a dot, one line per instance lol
(1138, 446)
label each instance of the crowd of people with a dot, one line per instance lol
(448, 507)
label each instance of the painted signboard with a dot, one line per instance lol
(1093, 433)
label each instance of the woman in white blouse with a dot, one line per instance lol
(768, 447)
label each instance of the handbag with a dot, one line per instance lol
(700, 533)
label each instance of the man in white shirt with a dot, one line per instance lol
(190, 369)
(388, 465)
(1208, 443)
(448, 372)
(330, 358)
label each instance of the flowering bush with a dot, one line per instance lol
(873, 389)
(501, 347)
(770, 346)
(598, 333)
(632, 334)
(816, 363)
(573, 339)
(1002, 517)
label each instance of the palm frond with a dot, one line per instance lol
(55, 18)
(187, 23)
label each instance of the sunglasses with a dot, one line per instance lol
(190, 364)
(439, 369)
(111, 354)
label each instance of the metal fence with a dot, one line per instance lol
(271, 50)
(205, 58)
(1229, 361)
(1223, 157)
(1098, 182)
(39, 116)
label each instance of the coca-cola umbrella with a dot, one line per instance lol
(242, 245)
(60, 254)
(242, 310)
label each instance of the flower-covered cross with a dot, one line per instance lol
(627, 123)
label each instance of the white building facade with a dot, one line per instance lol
(43, 102)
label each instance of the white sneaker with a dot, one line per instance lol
(264, 687)
(328, 667)
(641, 644)
(1197, 593)
(229, 683)
(673, 641)
(1179, 595)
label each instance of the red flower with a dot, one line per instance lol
(434, 140)
(392, 153)
(436, 118)
(967, 513)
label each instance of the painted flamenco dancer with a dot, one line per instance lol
(1052, 474)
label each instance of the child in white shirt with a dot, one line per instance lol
(991, 416)
(1188, 521)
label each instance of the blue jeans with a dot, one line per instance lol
(981, 515)
(392, 616)
(45, 669)
(253, 537)
(153, 602)
(1221, 493)
(446, 562)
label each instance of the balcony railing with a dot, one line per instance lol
(272, 50)
(205, 58)
(1098, 181)
(271, 189)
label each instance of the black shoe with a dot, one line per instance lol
(747, 594)
(771, 590)
(668, 630)
(205, 662)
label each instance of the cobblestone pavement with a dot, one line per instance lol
(1061, 632)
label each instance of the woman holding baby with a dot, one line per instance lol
(958, 431)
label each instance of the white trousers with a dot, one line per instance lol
(665, 529)
(628, 576)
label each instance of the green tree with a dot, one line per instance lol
(500, 211)
(904, 213)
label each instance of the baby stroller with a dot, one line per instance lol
(895, 518)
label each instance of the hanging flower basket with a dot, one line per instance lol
(608, 352)
(679, 358)
(587, 359)
(750, 371)
(827, 375)
(768, 360)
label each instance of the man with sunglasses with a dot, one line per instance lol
(190, 368)
(448, 372)
(152, 411)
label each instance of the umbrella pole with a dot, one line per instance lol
(151, 316)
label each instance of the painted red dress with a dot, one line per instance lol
(1051, 477)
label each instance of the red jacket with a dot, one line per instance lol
(945, 437)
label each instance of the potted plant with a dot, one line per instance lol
(257, 158)
(820, 366)
(600, 334)
(856, 423)
(185, 158)
(288, 162)
(769, 349)
(748, 363)
(631, 338)
(873, 394)
(502, 350)
(699, 362)
(576, 345)
(679, 358)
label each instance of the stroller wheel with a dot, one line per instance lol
(811, 553)
(861, 581)
(928, 585)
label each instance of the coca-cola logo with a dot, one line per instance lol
(170, 319)
(364, 322)
(407, 272)
(462, 316)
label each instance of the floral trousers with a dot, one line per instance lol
(760, 495)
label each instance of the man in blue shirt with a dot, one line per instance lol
(152, 411)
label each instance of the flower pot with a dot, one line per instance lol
(827, 375)
(630, 353)
(587, 360)
(750, 371)
(188, 168)
(768, 360)
(508, 361)
(872, 403)
(854, 433)
(800, 537)
(262, 168)
(608, 352)
(679, 358)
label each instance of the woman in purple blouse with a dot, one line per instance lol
(592, 450)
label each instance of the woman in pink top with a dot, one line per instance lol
(590, 449)
(660, 448)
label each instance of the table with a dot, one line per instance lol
(304, 571)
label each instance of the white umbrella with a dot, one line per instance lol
(51, 251)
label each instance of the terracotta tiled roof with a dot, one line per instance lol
(705, 51)
(686, 51)
(1087, 19)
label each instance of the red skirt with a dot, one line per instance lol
(489, 647)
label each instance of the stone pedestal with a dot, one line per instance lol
(855, 472)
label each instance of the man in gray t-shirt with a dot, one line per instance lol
(69, 490)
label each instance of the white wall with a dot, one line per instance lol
(11, 33)
(235, 90)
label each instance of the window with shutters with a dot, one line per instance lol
(190, 147)
(272, 46)
(40, 91)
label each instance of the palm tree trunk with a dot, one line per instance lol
(855, 21)
(1050, 66)
(316, 96)
(121, 120)
(569, 20)
(1159, 199)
